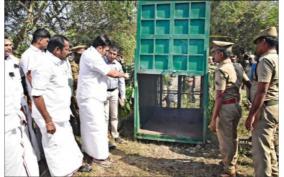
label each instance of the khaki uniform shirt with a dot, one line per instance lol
(212, 68)
(75, 73)
(226, 79)
(75, 69)
(267, 71)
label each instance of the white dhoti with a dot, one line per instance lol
(62, 153)
(20, 159)
(93, 128)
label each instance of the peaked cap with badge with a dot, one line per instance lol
(222, 45)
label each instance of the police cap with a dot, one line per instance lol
(222, 45)
(78, 47)
(269, 32)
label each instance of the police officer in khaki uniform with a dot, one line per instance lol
(76, 52)
(265, 104)
(227, 111)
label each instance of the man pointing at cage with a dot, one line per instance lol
(91, 96)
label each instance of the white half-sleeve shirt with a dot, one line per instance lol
(29, 61)
(51, 79)
(116, 82)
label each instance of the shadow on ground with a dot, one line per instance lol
(170, 167)
(180, 167)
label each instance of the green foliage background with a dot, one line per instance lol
(82, 21)
(79, 21)
(241, 21)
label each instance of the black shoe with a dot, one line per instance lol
(111, 146)
(119, 140)
(88, 159)
(221, 163)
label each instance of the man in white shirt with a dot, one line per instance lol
(20, 159)
(29, 128)
(91, 96)
(28, 63)
(8, 46)
(115, 91)
(31, 57)
(51, 91)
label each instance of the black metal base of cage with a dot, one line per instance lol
(174, 122)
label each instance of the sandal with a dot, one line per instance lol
(103, 163)
(85, 168)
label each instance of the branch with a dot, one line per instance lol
(23, 5)
(43, 6)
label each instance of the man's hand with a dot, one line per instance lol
(50, 128)
(122, 102)
(126, 76)
(250, 122)
(257, 103)
(212, 126)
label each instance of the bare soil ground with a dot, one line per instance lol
(152, 158)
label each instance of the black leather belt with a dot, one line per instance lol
(110, 90)
(270, 102)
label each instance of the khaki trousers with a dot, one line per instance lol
(227, 124)
(111, 112)
(263, 142)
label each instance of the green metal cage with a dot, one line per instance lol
(171, 71)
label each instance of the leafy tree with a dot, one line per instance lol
(115, 18)
(241, 21)
(80, 21)
(23, 17)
